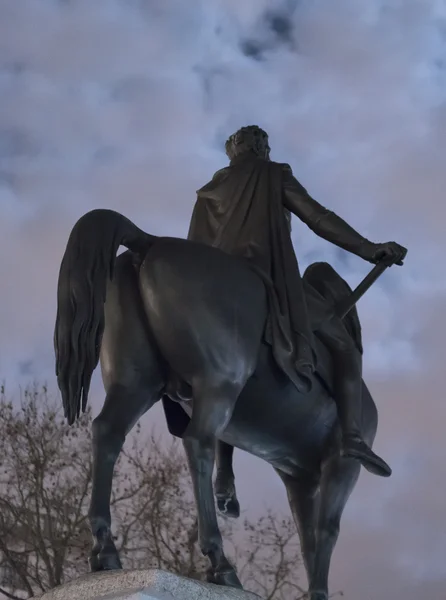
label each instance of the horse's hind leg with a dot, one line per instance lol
(211, 339)
(121, 410)
(338, 479)
(302, 495)
(133, 381)
(227, 502)
(213, 406)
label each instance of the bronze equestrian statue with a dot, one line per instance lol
(243, 351)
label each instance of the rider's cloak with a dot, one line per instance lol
(241, 212)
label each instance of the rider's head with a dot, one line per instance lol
(248, 139)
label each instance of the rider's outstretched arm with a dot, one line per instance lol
(322, 221)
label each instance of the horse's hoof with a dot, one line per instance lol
(228, 578)
(94, 564)
(110, 561)
(228, 506)
(317, 596)
(104, 562)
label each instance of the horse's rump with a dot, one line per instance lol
(205, 308)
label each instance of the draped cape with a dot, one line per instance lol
(241, 212)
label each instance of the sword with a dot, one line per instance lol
(345, 305)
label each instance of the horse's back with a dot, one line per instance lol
(206, 309)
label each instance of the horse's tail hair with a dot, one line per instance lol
(86, 268)
(323, 278)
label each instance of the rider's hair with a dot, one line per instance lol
(248, 139)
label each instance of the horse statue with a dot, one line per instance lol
(172, 305)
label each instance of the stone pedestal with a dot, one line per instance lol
(147, 584)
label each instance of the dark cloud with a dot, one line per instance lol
(281, 26)
(275, 28)
(254, 49)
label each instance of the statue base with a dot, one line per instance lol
(142, 584)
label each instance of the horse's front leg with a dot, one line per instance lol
(211, 412)
(121, 410)
(302, 492)
(338, 479)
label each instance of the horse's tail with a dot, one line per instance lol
(87, 266)
(323, 278)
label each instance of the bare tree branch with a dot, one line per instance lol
(45, 484)
(8, 595)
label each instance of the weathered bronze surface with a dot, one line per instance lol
(242, 351)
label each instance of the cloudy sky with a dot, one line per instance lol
(126, 104)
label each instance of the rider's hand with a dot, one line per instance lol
(389, 252)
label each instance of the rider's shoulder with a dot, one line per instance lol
(289, 179)
(214, 182)
(221, 173)
(286, 168)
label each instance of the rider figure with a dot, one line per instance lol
(245, 211)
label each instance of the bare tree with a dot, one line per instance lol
(156, 524)
(45, 479)
(45, 475)
(269, 561)
(158, 527)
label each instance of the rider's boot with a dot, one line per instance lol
(353, 446)
(349, 401)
